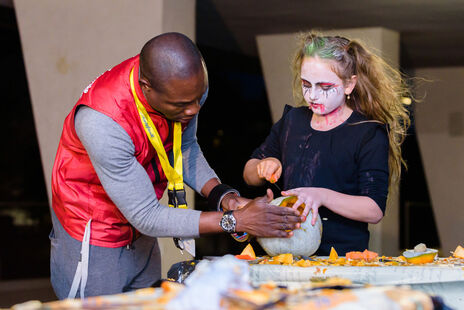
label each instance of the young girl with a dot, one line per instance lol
(339, 149)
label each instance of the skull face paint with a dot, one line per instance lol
(322, 89)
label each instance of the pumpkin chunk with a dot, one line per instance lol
(459, 252)
(420, 255)
(366, 255)
(333, 255)
(284, 258)
(248, 251)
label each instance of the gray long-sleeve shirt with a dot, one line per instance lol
(126, 182)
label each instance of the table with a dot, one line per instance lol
(444, 280)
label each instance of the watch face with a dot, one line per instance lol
(228, 222)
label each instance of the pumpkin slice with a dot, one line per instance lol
(248, 251)
(419, 255)
(245, 257)
(333, 255)
(286, 258)
(354, 255)
(459, 252)
(367, 255)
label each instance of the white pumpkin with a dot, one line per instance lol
(305, 240)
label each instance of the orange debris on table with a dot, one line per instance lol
(459, 252)
(366, 255)
(247, 253)
(333, 255)
(284, 258)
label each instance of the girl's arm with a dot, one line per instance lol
(359, 208)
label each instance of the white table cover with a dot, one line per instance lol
(445, 281)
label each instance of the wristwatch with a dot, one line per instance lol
(228, 222)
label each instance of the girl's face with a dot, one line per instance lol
(322, 89)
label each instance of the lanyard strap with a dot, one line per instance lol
(176, 191)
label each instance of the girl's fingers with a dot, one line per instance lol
(297, 203)
(314, 216)
(306, 210)
(290, 192)
(278, 173)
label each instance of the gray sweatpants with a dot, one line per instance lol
(111, 270)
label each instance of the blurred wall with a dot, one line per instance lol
(276, 52)
(440, 132)
(67, 44)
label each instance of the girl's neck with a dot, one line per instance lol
(332, 119)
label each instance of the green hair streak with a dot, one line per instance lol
(319, 47)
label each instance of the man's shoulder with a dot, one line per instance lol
(111, 78)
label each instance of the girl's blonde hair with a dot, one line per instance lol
(378, 91)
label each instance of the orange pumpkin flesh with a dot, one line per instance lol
(366, 255)
(459, 252)
(247, 253)
(290, 201)
(245, 257)
(333, 255)
(422, 259)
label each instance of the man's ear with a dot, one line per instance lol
(144, 84)
(350, 84)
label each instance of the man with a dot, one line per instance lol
(112, 166)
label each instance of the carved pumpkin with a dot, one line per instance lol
(305, 240)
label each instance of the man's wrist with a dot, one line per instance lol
(227, 201)
(239, 220)
(228, 222)
(217, 194)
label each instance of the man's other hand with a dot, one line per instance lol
(232, 201)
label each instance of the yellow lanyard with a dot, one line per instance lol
(176, 191)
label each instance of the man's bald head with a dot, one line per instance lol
(170, 56)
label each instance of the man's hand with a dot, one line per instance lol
(232, 201)
(261, 219)
(269, 169)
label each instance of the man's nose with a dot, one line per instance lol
(193, 108)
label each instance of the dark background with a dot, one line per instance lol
(234, 121)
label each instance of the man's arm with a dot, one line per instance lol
(129, 187)
(257, 218)
(126, 182)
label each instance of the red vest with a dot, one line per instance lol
(77, 194)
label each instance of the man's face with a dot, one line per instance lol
(322, 89)
(180, 98)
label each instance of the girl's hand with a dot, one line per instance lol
(269, 169)
(312, 197)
